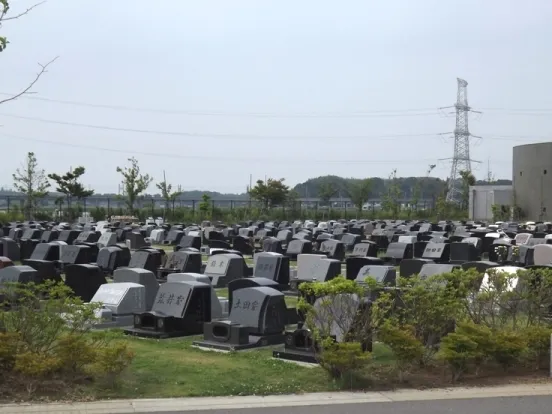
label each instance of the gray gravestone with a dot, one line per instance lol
(386, 275)
(542, 254)
(119, 302)
(222, 268)
(141, 276)
(107, 239)
(216, 305)
(18, 274)
(433, 269)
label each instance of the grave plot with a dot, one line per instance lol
(180, 262)
(396, 252)
(142, 277)
(219, 306)
(336, 316)
(84, 280)
(119, 303)
(315, 268)
(542, 255)
(257, 319)
(354, 264)
(223, 268)
(273, 267)
(461, 252)
(149, 259)
(365, 249)
(188, 241)
(135, 241)
(10, 249)
(297, 247)
(180, 309)
(333, 249)
(272, 245)
(385, 275)
(111, 258)
(72, 255)
(173, 237)
(438, 252)
(107, 239)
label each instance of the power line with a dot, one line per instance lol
(213, 158)
(204, 135)
(353, 114)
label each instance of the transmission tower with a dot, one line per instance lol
(461, 160)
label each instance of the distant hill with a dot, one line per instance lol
(430, 186)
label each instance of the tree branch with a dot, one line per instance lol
(3, 17)
(43, 70)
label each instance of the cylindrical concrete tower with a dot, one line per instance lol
(532, 180)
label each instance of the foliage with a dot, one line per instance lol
(134, 183)
(508, 348)
(46, 339)
(467, 180)
(31, 181)
(340, 323)
(501, 212)
(205, 206)
(359, 193)
(326, 191)
(4, 8)
(167, 193)
(391, 200)
(69, 185)
(270, 193)
(407, 350)
(538, 344)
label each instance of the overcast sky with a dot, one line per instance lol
(276, 88)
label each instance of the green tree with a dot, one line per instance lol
(168, 195)
(391, 200)
(31, 181)
(5, 16)
(205, 205)
(270, 193)
(326, 191)
(134, 183)
(468, 180)
(359, 193)
(69, 185)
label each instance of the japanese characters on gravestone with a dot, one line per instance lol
(334, 249)
(438, 252)
(223, 268)
(257, 318)
(274, 267)
(180, 309)
(119, 302)
(365, 249)
(354, 264)
(217, 310)
(386, 275)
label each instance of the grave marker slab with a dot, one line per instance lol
(438, 252)
(180, 309)
(386, 275)
(119, 302)
(216, 304)
(223, 268)
(84, 280)
(433, 269)
(142, 277)
(365, 249)
(107, 239)
(334, 249)
(273, 267)
(542, 254)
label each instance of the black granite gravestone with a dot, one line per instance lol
(49, 236)
(149, 259)
(334, 249)
(75, 254)
(219, 307)
(141, 276)
(189, 241)
(273, 245)
(480, 266)
(174, 237)
(461, 252)
(112, 257)
(438, 252)
(18, 274)
(411, 267)
(365, 249)
(350, 240)
(84, 280)
(46, 269)
(396, 252)
(386, 275)
(183, 262)
(257, 319)
(180, 309)
(285, 236)
(354, 264)
(45, 251)
(10, 249)
(87, 237)
(274, 267)
(316, 269)
(248, 282)
(68, 236)
(107, 239)
(135, 240)
(296, 247)
(223, 268)
(243, 245)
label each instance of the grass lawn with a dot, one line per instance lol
(173, 368)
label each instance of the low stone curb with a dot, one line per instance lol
(236, 403)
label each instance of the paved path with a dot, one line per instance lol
(506, 405)
(524, 399)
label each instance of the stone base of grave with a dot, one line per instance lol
(254, 342)
(295, 355)
(146, 333)
(117, 321)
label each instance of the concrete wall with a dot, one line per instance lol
(482, 198)
(532, 180)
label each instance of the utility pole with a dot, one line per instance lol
(461, 160)
(490, 177)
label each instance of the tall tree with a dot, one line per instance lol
(168, 195)
(134, 183)
(270, 193)
(391, 202)
(5, 16)
(359, 193)
(31, 181)
(326, 191)
(68, 184)
(467, 180)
